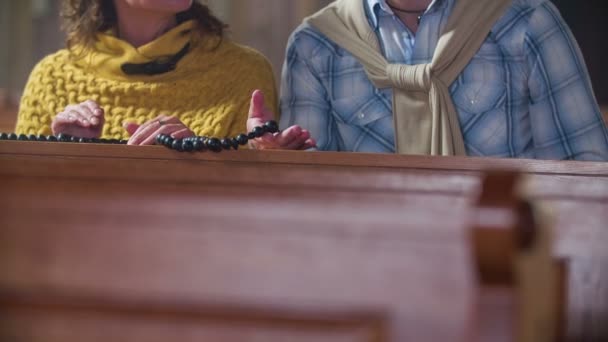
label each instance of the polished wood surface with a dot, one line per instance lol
(512, 246)
(335, 247)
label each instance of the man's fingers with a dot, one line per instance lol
(293, 138)
(283, 140)
(256, 107)
(310, 143)
(299, 142)
(268, 115)
(288, 136)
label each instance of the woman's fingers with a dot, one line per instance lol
(146, 134)
(81, 116)
(292, 138)
(65, 118)
(185, 132)
(95, 109)
(176, 131)
(86, 110)
(143, 132)
(130, 127)
(94, 112)
(89, 113)
(72, 116)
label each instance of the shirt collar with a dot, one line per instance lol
(375, 8)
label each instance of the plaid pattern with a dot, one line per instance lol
(526, 94)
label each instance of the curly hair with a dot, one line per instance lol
(83, 19)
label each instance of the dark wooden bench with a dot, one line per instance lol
(8, 112)
(144, 244)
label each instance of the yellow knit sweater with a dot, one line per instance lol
(209, 91)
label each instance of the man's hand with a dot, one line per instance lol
(84, 120)
(146, 134)
(293, 138)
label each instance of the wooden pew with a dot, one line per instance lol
(222, 246)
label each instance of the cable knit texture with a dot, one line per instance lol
(209, 91)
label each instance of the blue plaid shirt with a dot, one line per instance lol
(526, 94)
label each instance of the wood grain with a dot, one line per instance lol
(249, 246)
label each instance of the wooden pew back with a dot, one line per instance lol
(253, 246)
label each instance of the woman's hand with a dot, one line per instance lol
(293, 138)
(146, 134)
(83, 120)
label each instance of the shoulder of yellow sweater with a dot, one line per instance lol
(58, 60)
(247, 53)
(243, 56)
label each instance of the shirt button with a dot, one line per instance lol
(361, 116)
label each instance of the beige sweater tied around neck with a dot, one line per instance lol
(426, 121)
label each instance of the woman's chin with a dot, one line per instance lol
(178, 5)
(174, 6)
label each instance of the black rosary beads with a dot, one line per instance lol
(60, 138)
(199, 144)
(192, 144)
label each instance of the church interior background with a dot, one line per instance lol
(29, 30)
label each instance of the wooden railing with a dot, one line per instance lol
(146, 244)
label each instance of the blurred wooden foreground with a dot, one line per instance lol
(110, 243)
